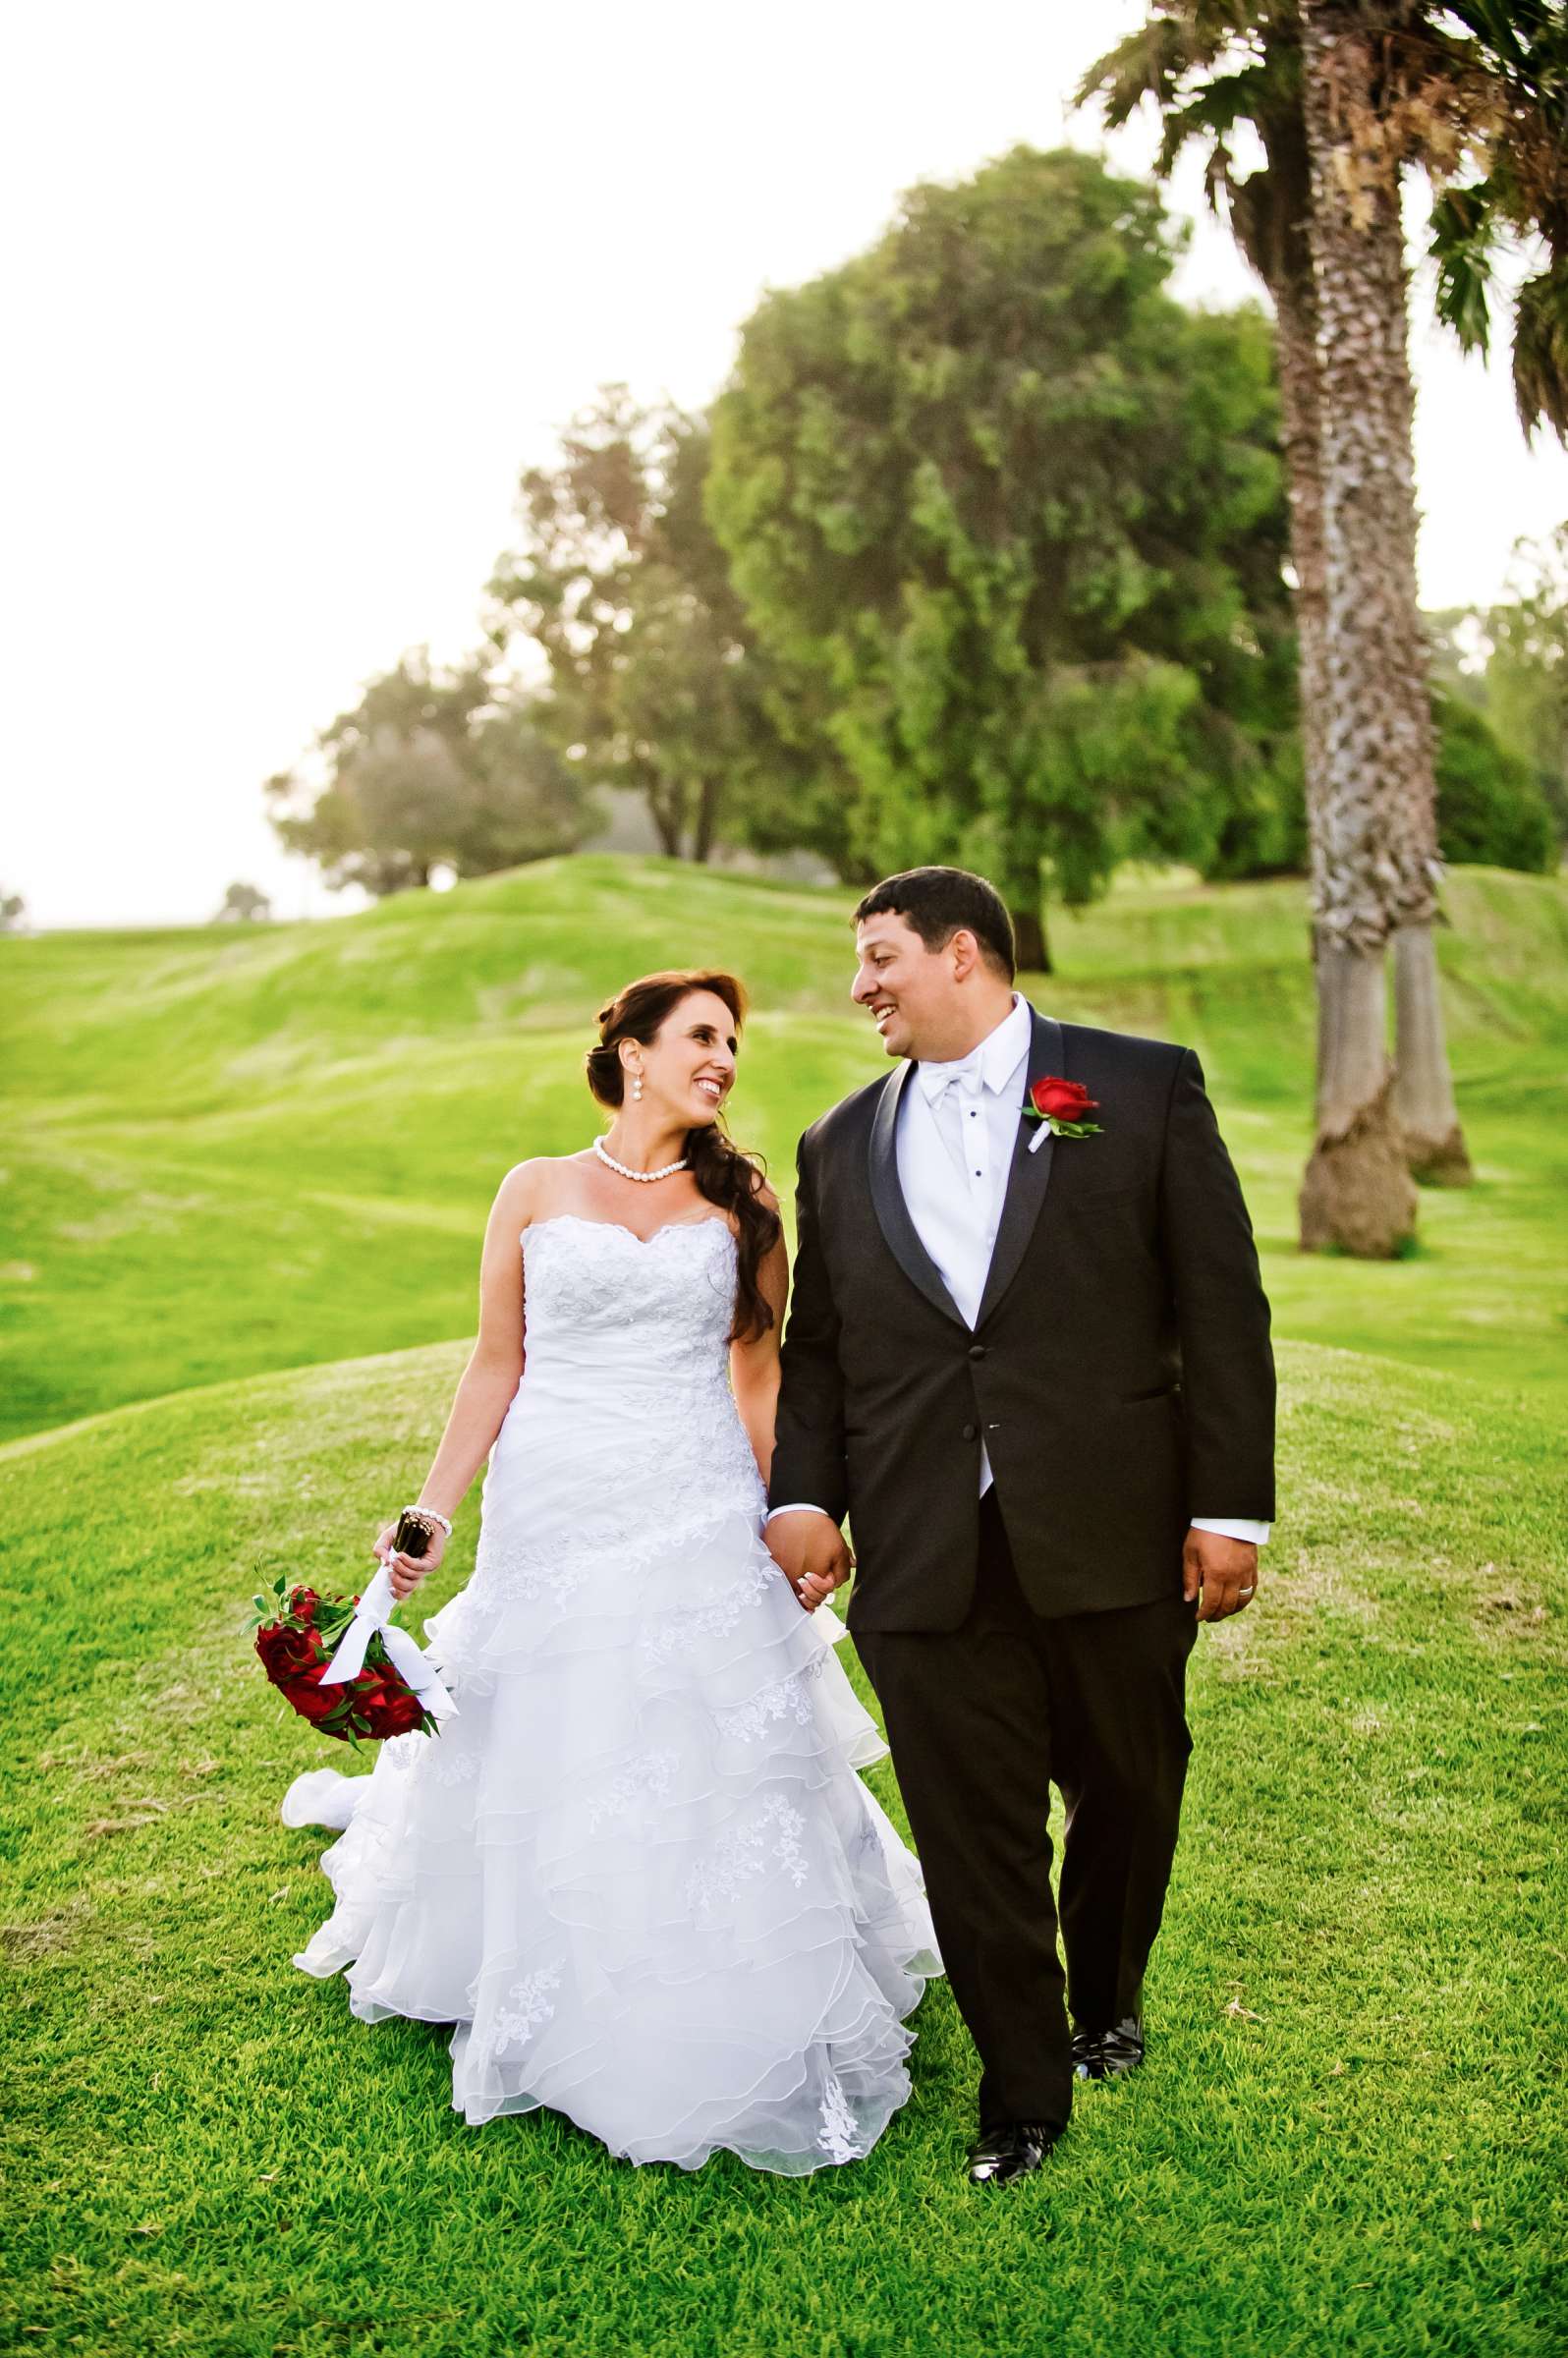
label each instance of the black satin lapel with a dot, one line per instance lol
(1028, 1174)
(892, 1211)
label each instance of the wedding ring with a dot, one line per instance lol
(1248, 1591)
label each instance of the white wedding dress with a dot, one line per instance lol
(637, 1870)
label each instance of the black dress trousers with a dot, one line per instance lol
(982, 1720)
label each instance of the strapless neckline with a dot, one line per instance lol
(708, 1220)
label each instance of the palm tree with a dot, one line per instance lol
(1377, 748)
(1479, 89)
(1424, 93)
(1212, 67)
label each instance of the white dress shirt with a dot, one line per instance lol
(957, 1127)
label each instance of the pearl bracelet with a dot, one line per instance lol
(434, 1514)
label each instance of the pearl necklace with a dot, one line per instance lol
(668, 1172)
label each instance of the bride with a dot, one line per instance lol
(637, 1871)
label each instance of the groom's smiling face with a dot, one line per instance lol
(914, 994)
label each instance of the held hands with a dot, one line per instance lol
(406, 1571)
(810, 1552)
(1220, 1571)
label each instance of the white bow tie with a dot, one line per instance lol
(963, 1075)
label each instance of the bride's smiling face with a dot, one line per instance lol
(688, 1067)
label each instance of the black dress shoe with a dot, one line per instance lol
(1010, 2150)
(1107, 2054)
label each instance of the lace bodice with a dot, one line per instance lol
(598, 1298)
(626, 1371)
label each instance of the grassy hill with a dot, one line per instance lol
(1342, 2141)
(246, 1177)
(232, 1152)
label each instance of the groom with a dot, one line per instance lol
(1026, 1365)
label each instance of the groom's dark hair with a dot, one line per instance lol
(936, 901)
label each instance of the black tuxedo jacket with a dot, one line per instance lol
(1120, 1369)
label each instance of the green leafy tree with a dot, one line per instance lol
(1017, 517)
(1456, 666)
(1526, 641)
(656, 682)
(1490, 805)
(428, 768)
(243, 905)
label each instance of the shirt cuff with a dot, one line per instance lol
(1235, 1527)
(801, 1506)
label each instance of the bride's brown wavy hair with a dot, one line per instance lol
(725, 1173)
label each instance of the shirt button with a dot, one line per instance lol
(968, 1432)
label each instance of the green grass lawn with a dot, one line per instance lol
(1344, 2139)
(226, 1152)
(246, 1176)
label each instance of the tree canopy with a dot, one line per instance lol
(656, 679)
(243, 905)
(1016, 516)
(1489, 807)
(428, 768)
(1526, 636)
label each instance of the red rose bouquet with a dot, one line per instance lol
(343, 1667)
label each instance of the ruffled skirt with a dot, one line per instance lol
(638, 1870)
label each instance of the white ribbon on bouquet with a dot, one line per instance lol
(374, 1612)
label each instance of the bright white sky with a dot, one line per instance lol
(293, 292)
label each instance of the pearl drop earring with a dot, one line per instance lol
(637, 1087)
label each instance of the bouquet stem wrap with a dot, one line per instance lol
(374, 1612)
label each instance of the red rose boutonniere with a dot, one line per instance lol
(1059, 1107)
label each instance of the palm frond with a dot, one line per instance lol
(1464, 230)
(1540, 352)
(1500, 25)
(1148, 64)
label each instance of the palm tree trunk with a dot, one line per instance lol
(1422, 1099)
(1357, 1193)
(1296, 336)
(1424, 1089)
(1271, 216)
(1271, 213)
(1352, 1175)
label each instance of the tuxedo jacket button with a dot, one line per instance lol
(969, 1433)
(977, 1350)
